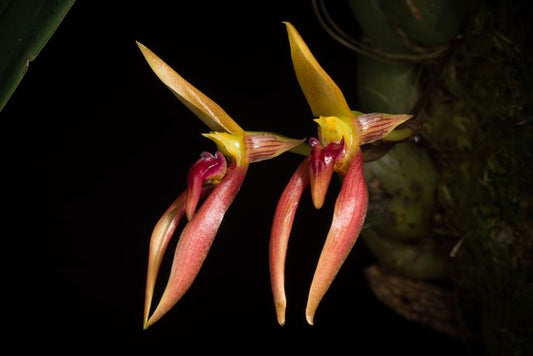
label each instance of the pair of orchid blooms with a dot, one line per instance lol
(215, 179)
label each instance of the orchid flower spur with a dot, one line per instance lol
(212, 178)
(341, 132)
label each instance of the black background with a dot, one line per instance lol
(94, 149)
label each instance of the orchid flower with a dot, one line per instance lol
(212, 178)
(341, 132)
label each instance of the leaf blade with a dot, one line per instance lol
(25, 28)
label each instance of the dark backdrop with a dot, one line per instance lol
(94, 149)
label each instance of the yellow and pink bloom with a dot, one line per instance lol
(341, 132)
(214, 181)
(215, 178)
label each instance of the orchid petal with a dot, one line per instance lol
(261, 146)
(196, 240)
(279, 238)
(322, 94)
(207, 110)
(210, 168)
(348, 217)
(376, 126)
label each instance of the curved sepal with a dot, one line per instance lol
(196, 240)
(348, 217)
(322, 94)
(161, 235)
(279, 236)
(206, 109)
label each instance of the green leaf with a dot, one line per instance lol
(25, 28)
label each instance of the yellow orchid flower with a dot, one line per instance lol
(341, 132)
(211, 178)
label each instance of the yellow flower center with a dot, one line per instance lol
(232, 145)
(333, 129)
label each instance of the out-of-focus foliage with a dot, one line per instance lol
(409, 26)
(25, 28)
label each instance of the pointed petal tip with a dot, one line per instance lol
(289, 27)
(149, 321)
(147, 324)
(321, 92)
(158, 313)
(145, 319)
(280, 312)
(318, 199)
(147, 53)
(309, 316)
(189, 213)
(312, 305)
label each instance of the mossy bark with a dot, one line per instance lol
(474, 116)
(480, 130)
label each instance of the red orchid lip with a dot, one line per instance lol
(208, 168)
(321, 167)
